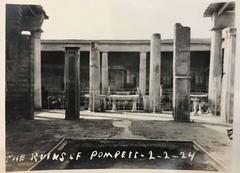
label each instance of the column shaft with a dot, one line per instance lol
(128, 77)
(228, 76)
(155, 73)
(94, 84)
(36, 36)
(104, 73)
(215, 72)
(72, 85)
(181, 73)
(236, 118)
(142, 73)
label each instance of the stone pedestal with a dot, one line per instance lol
(181, 73)
(36, 36)
(155, 74)
(104, 73)
(228, 75)
(72, 85)
(215, 72)
(142, 73)
(94, 83)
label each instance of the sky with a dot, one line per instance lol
(121, 19)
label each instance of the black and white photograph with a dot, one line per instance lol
(117, 85)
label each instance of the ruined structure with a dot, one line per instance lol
(72, 83)
(123, 68)
(23, 67)
(115, 74)
(181, 73)
(220, 94)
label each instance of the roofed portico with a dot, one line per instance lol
(222, 15)
(125, 66)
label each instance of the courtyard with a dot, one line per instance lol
(49, 127)
(170, 92)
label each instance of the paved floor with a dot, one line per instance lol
(49, 127)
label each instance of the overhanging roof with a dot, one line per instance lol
(28, 10)
(219, 7)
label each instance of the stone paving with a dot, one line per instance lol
(49, 127)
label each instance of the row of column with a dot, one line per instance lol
(181, 75)
(95, 79)
(221, 73)
(155, 70)
(98, 73)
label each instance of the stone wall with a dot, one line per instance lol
(19, 78)
(22, 56)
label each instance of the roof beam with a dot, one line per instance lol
(223, 8)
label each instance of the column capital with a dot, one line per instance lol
(36, 33)
(156, 35)
(94, 45)
(72, 50)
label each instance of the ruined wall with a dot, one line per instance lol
(19, 78)
(22, 50)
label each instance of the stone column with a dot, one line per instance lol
(155, 73)
(128, 77)
(104, 73)
(215, 71)
(36, 36)
(94, 84)
(142, 73)
(181, 73)
(228, 75)
(236, 111)
(72, 85)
